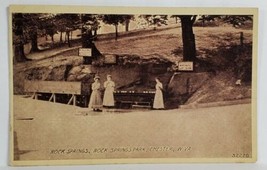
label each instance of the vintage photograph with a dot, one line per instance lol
(139, 85)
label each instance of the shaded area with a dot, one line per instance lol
(26, 118)
(234, 64)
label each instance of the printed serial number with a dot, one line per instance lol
(237, 155)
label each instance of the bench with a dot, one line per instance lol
(142, 105)
(53, 88)
(135, 99)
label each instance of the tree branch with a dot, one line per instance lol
(193, 19)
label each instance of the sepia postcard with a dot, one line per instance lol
(98, 85)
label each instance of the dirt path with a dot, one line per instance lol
(58, 131)
(49, 53)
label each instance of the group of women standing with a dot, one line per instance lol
(108, 100)
(95, 98)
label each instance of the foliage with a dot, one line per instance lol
(204, 19)
(176, 17)
(155, 20)
(25, 24)
(25, 27)
(67, 23)
(48, 25)
(90, 22)
(113, 19)
(116, 20)
(236, 20)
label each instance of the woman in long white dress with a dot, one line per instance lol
(95, 98)
(109, 86)
(158, 99)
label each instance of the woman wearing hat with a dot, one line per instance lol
(95, 98)
(109, 85)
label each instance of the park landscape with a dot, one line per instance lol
(207, 111)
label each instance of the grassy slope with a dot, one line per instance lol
(168, 43)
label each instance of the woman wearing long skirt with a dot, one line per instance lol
(158, 99)
(95, 98)
(109, 86)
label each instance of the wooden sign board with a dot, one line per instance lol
(85, 52)
(185, 66)
(60, 87)
(110, 59)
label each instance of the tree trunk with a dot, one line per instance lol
(60, 39)
(19, 55)
(34, 41)
(95, 32)
(87, 42)
(189, 46)
(52, 38)
(127, 24)
(154, 24)
(68, 38)
(65, 37)
(116, 32)
(71, 35)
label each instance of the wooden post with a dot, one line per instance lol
(74, 100)
(70, 99)
(34, 96)
(54, 98)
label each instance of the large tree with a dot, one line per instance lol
(188, 37)
(113, 20)
(49, 25)
(66, 23)
(91, 22)
(189, 45)
(89, 25)
(126, 21)
(18, 37)
(26, 28)
(31, 25)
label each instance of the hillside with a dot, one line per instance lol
(222, 63)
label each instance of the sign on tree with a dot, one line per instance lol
(85, 52)
(185, 66)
